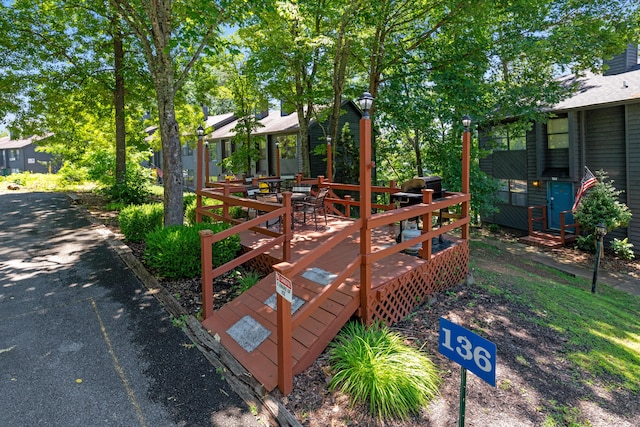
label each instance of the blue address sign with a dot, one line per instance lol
(469, 350)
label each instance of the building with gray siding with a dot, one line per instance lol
(20, 155)
(597, 127)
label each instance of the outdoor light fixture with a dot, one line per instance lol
(366, 102)
(466, 122)
(200, 130)
(328, 140)
(601, 230)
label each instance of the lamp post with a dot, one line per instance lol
(329, 160)
(601, 231)
(206, 163)
(200, 132)
(466, 155)
(277, 159)
(366, 164)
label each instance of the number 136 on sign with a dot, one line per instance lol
(469, 350)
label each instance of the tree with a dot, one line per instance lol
(62, 52)
(172, 37)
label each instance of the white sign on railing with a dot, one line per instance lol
(284, 287)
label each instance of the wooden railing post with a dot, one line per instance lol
(427, 245)
(562, 227)
(285, 337)
(466, 155)
(347, 205)
(530, 219)
(225, 206)
(287, 222)
(366, 165)
(206, 259)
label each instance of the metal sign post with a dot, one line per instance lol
(470, 351)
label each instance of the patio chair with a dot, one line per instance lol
(252, 193)
(315, 206)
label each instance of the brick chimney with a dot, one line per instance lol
(623, 62)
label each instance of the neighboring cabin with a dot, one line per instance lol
(598, 127)
(282, 129)
(20, 155)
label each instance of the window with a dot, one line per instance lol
(187, 150)
(213, 151)
(512, 192)
(558, 133)
(288, 144)
(509, 137)
(14, 155)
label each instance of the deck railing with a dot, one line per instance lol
(270, 211)
(389, 216)
(287, 323)
(531, 218)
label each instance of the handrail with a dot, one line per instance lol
(208, 238)
(531, 219)
(563, 226)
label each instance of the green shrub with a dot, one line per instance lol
(494, 228)
(134, 190)
(375, 365)
(586, 243)
(73, 174)
(175, 250)
(601, 204)
(136, 221)
(622, 248)
(188, 199)
(236, 212)
(190, 210)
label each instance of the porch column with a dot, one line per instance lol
(366, 164)
(466, 155)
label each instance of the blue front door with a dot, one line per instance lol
(560, 196)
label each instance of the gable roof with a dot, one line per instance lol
(6, 143)
(272, 124)
(598, 90)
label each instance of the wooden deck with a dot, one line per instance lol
(315, 333)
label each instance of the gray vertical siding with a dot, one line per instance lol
(633, 159)
(606, 148)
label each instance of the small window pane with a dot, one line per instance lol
(518, 143)
(560, 140)
(558, 125)
(519, 199)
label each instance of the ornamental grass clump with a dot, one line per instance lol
(374, 365)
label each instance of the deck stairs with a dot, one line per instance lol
(547, 239)
(247, 326)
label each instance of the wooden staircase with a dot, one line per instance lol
(546, 238)
(309, 339)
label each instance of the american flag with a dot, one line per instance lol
(588, 181)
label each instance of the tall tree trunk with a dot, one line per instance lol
(118, 101)
(171, 152)
(416, 149)
(339, 71)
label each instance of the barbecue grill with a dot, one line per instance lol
(412, 190)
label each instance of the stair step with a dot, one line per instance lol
(541, 242)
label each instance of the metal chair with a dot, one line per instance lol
(315, 206)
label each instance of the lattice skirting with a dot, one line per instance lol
(397, 298)
(262, 263)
